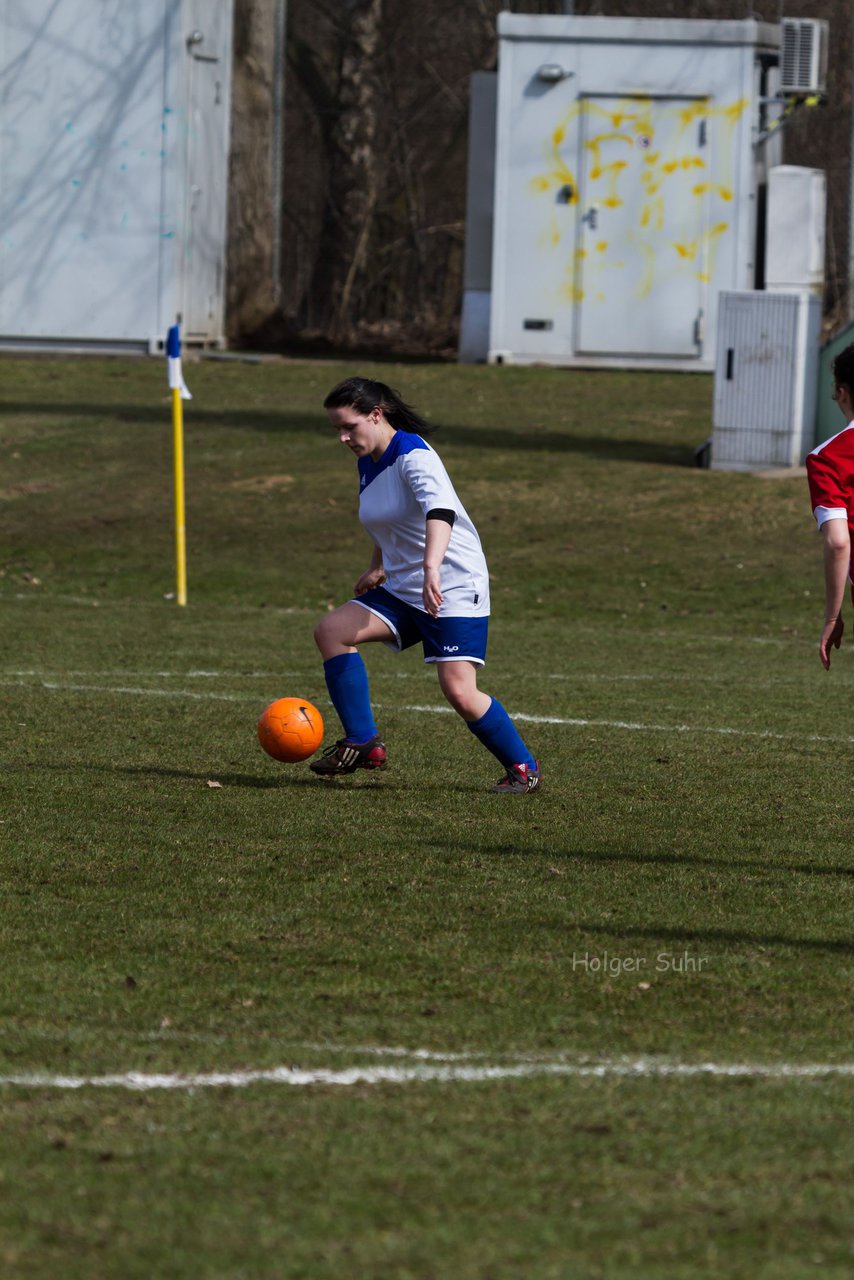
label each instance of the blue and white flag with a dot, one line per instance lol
(173, 359)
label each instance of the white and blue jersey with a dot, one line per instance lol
(395, 496)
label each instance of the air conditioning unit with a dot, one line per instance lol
(803, 55)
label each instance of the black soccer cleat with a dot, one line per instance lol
(347, 757)
(519, 780)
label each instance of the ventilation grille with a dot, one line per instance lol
(803, 62)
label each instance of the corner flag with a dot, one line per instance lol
(179, 392)
(173, 356)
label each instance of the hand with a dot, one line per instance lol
(370, 578)
(432, 592)
(831, 638)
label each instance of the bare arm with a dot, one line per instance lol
(438, 536)
(837, 559)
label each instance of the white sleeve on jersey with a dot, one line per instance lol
(424, 472)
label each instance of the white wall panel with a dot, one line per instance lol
(98, 151)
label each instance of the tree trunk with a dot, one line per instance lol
(253, 206)
(353, 174)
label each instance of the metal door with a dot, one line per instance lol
(644, 245)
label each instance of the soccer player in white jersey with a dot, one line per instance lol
(427, 581)
(830, 472)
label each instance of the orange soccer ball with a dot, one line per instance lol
(291, 729)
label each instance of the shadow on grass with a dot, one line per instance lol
(684, 936)
(362, 781)
(671, 860)
(696, 860)
(512, 439)
(283, 781)
(658, 452)
(260, 783)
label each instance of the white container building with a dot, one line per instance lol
(630, 181)
(114, 131)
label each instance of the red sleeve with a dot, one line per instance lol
(828, 488)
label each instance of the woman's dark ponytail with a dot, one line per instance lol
(364, 395)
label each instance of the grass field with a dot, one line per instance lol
(256, 1025)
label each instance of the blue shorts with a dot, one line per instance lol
(443, 639)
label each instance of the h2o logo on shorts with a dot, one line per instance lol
(450, 648)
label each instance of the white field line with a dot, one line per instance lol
(138, 692)
(579, 628)
(440, 1072)
(566, 677)
(580, 676)
(575, 723)
(425, 709)
(159, 675)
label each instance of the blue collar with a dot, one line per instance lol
(401, 443)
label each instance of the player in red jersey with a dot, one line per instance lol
(830, 472)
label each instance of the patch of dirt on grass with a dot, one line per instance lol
(24, 490)
(262, 484)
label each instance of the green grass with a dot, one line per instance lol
(659, 626)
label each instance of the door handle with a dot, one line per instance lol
(194, 39)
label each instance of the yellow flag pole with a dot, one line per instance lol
(179, 394)
(180, 517)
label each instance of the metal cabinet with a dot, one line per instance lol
(765, 379)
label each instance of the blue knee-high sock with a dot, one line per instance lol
(347, 682)
(499, 735)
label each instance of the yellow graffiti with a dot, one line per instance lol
(551, 234)
(710, 247)
(648, 277)
(687, 115)
(616, 167)
(730, 112)
(560, 175)
(656, 170)
(570, 289)
(686, 162)
(703, 188)
(632, 109)
(610, 171)
(733, 112)
(595, 143)
(653, 213)
(619, 118)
